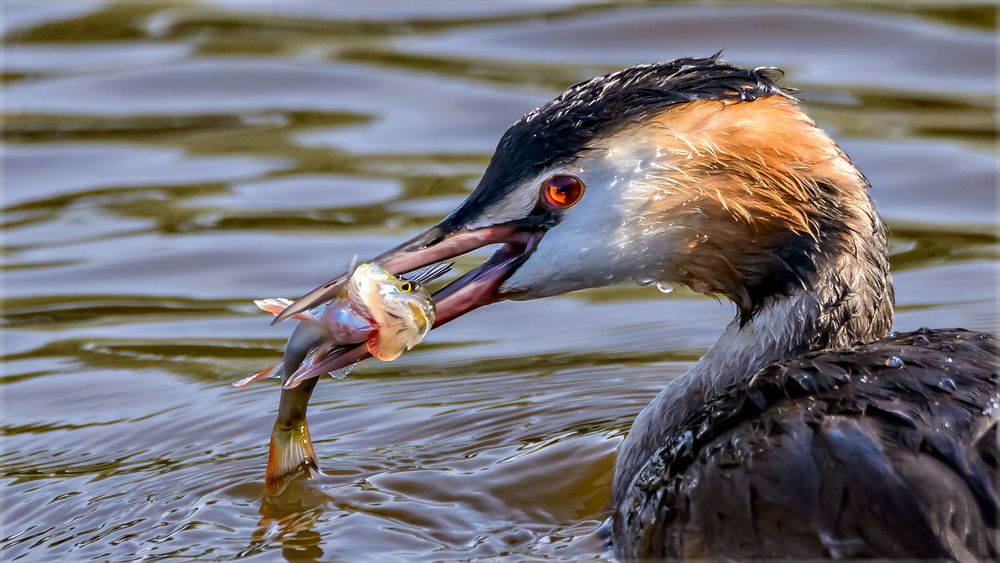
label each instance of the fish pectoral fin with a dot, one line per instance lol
(269, 371)
(309, 361)
(307, 369)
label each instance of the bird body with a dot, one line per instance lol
(887, 449)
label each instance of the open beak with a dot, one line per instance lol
(473, 290)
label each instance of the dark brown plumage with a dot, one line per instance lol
(888, 449)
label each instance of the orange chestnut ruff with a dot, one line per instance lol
(562, 191)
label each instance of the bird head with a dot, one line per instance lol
(690, 172)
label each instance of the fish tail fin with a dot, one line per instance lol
(291, 451)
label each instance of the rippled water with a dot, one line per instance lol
(166, 163)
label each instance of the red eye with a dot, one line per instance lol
(562, 191)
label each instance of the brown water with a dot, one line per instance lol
(164, 164)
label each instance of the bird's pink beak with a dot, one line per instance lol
(473, 290)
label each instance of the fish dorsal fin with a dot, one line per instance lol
(431, 273)
(275, 305)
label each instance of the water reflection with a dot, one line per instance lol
(289, 521)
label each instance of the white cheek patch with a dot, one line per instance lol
(609, 236)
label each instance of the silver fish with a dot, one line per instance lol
(391, 314)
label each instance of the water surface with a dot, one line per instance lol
(164, 163)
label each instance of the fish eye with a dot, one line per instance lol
(405, 286)
(562, 191)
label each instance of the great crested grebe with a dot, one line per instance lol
(807, 430)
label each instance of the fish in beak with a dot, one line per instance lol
(475, 289)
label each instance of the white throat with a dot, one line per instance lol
(778, 331)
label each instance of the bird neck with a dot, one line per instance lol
(849, 299)
(786, 327)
